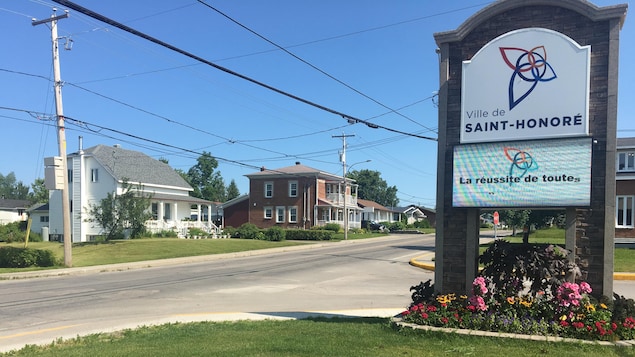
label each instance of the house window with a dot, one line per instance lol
(70, 175)
(293, 188)
(44, 219)
(293, 214)
(268, 189)
(624, 208)
(155, 211)
(268, 212)
(94, 175)
(626, 161)
(279, 214)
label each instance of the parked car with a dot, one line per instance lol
(376, 226)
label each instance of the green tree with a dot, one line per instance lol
(232, 191)
(207, 183)
(372, 187)
(39, 194)
(117, 214)
(11, 188)
(514, 218)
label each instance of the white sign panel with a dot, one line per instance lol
(526, 84)
(538, 173)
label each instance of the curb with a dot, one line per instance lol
(416, 262)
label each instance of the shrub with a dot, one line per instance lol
(422, 224)
(395, 226)
(508, 266)
(249, 231)
(165, 234)
(332, 227)
(12, 232)
(275, 234)
(13, 257)
(313, 234)
(196, 232)
(231, 231)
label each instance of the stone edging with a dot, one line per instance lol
(399, 322)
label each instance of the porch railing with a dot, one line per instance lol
(182, 228)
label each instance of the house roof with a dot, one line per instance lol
(136, 166)
(235, 200)
(625, 143)
(180, 198)
(39, 207)
(11, 204)
(297, 170)
(366, 203)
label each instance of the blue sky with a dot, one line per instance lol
(377, 56)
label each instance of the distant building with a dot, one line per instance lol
(625, 188)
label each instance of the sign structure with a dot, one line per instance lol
(531, 83)
(538, 173)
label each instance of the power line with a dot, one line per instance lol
(351, 119)
(312, 65)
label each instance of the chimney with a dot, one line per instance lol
(297, 162)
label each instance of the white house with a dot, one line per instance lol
(99, 170)
(13, 210)
(373, 211)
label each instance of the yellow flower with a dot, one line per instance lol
(526, 303)
(590, 308)
(563, 317)
(603, 306)
(510, 300)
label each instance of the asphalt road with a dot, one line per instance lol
(362, 277)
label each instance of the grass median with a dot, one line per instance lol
(349, 337)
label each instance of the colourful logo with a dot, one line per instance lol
(522, 162)
(530, 68)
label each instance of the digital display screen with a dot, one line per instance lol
(539, 173)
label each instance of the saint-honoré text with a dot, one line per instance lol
(521, 124)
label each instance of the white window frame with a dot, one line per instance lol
(268, 212)
(293, 188)
(293, 214)
(622, 209)
(268, 189)
(628, 158)
(280, 210)
(94, 175)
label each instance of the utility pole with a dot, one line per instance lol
(61, 136)
(343, 160)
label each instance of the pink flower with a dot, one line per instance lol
(478, 303)
(585, 287)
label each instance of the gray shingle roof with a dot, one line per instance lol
(625, 143)
(136, 166)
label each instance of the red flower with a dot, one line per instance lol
(424, 315)
(432, 308)
(613, 326)
(444, 320)
(564, 323)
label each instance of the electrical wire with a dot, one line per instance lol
(312, 65)
(349, 118)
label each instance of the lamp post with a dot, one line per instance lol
(345, 188)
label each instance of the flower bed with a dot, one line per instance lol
(520, 303)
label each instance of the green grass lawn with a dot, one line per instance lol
(123, 251)
(312, 337)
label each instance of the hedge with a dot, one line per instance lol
(14, 257)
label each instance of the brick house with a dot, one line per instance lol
(296, 196)
(625, 188)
